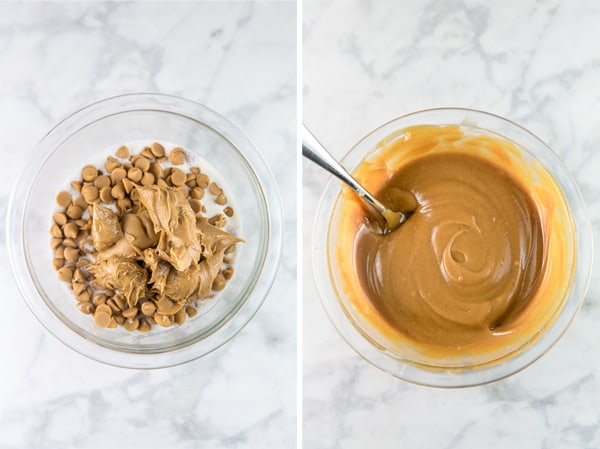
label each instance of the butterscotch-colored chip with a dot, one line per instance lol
(202, 180)
(57, 264)
(102, 319)
(104, 308)
(90, 193)
(85, 307)
(163, 320)
(156, 170)
(177, 177)
(196, 205)
(113, 323)
(74, 212)
(197, 193)
(144, 325)
(191, 311)
(105, 195)
(55, 231)
(120, 319)
(147, 179)
(128, 185)
(89, 173)
(143, 164)
(99, 299)
(120, 301)
(102, 181)
(55, 242)
(180, 317)
(228, 273)
(147, 153)
(76, 185)
(71, 254)
(71, 230)
(190, 180)
(131, 324)
(194, 170)
(177, 156)
(122, 152)
(78, 287)
(63, 198)
(228, 211)
(84, 296)
(118, 191)
(130, 313)
(111, 163)
(113, 305)
(135, 174)
(157, 149)
(65, 274)
(59, 218)
(124, 204)
(118, 174)
(214, 189)
(219, 282)
(221, 199)
(148, 308)
(59, 252)
(80, 202)
(70, 243)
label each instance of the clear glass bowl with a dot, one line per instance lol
(417, 368)
(77, 141)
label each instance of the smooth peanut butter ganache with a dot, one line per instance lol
(135, 242)
(474, 270)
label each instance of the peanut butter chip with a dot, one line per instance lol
(177, 177)
(74, 212)
(157, 149)
(122, 152)
(177, 156)
(71, 230)
(63, 198)
(202, 180)
(143, 164)
(65, 274)
(131, 324)
(55, 231)
(118, 174)
(228, 211)
(90, 193)
(105, 195)
(148, 308)
(191, 311)
(102, 181)
(197, 193)
(102, 319)
(89, 173)
(147, 179)
(111, 164)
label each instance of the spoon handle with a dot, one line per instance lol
(313, 150)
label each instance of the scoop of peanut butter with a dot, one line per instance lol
(157, 249)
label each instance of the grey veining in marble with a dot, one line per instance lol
(536, 62)
(238, 58)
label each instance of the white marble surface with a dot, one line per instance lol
(238, 58)
(536, 62)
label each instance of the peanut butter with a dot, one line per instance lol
(474, 270)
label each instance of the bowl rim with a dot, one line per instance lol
(273, 216)
(380, 357)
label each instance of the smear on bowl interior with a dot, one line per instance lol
(144, 239)
(475, 270)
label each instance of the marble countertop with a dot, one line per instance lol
(536, 62)
(238, 58)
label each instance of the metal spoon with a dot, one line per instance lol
(313, 150)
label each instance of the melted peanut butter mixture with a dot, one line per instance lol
(482, 264)
(465, 263)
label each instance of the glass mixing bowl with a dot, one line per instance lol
(80, 139)
(408, 363)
